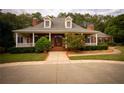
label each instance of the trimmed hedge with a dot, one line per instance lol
(21, 50)
(99, 47)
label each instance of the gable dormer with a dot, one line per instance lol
(47, 22)
(68, 22)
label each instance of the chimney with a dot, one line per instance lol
(34, 21)
(90, 27)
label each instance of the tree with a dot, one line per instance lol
(6, 35)
(42, 45)
(115, 27)
(9, 22)
(23, 20)
(62, 14)
(37, 15)
(74, 41)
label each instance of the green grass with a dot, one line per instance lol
(117, 57)
(6, 58)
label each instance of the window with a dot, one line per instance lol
(87, 40)
(28, 39)
(20, 39)
(47, 23)
(68, 24)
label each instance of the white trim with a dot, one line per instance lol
(49, 36)
(96, 39)
(90, 44)
(25, 45)
(47, 18)
(45, 26)
(66, 24)
(16, 39)
(68, 19)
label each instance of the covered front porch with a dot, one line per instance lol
(29, 39)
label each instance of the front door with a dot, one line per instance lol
(58, 40)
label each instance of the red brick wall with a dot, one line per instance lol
(90, 27)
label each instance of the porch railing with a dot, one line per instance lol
(90, 44)
(24, 45)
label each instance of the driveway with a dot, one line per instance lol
(59, 69)
(63, 73)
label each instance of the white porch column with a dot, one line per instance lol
(49, 36)
(16, 39)
(33, 39)
(96, 39)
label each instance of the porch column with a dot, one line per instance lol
(33, 39)
(16, 39)
(96, 39)
(49, 36)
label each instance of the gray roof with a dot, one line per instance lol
(100, 34)
(58, 26)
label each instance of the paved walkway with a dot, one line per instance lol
(57, 57)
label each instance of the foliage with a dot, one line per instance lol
(99, 47)
(2, 49)
(9, 22)
(42, 44)
(37, 15)
(21, 50)
(115, 27)
(6, 35)
(74, 41)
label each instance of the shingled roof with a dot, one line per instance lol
(100, 34)
(58, 26)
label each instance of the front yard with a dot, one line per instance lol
(6, 58)
(118, 57)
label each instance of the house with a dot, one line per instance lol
(55, 29)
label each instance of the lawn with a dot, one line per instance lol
(118, 57)
(6, 58)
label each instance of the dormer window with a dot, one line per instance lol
(68, 22)
(47, 22)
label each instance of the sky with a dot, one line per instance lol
(55, 12)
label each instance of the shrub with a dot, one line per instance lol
(112, 43)
(42, 45)
(74, 41)
(100, 47)
(21, 50)
(2, 49)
